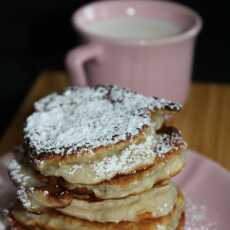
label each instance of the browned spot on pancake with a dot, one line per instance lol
(145, 216)
(59, 196)
(15, 225)
(182, 222)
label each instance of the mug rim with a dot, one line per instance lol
(190, 32)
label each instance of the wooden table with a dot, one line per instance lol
(204, 121)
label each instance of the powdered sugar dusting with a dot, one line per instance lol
(23, 181)
(88, 118)
(130, 158)
(135, 155)
(23, 197)
(16, 174)
(165, 142)
(197, 217)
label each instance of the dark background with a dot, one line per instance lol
(35, 35)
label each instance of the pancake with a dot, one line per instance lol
(17, 226)
(163, 196)
(84, 125)
(122, 186)
(157, 202)
(56, 221)
(164, 167)
(134, 158)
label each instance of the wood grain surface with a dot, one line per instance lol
(204, 121)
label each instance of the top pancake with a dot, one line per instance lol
(86, 121)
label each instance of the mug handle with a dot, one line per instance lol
(77, 57)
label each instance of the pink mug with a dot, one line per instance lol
(159, 67)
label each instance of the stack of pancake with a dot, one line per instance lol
(98, 158)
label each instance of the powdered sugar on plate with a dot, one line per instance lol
(197, 217)
(2, 226)
(3, 219)
(83, 118)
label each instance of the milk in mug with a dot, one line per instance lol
(135, 28)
